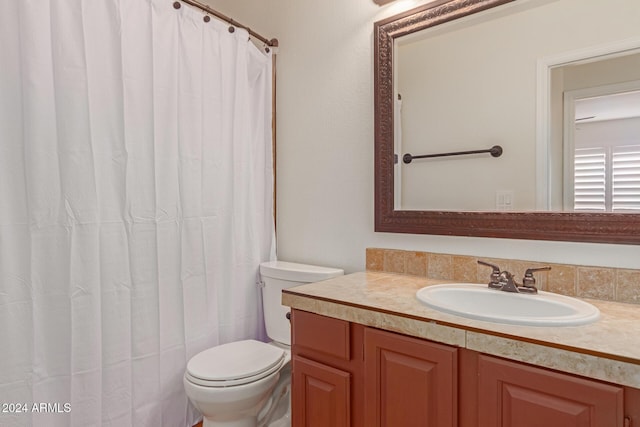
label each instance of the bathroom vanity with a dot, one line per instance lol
(366, 352)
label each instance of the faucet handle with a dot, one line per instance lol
(528, 279)
(495, 274)
(488, 264)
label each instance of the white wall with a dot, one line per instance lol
(325, 142)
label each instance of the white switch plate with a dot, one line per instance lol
(504, 200)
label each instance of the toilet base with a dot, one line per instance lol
(277, 411)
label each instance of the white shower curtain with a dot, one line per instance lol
(136, 200)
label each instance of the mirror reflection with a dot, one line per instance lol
(599, 117)
(474, 83)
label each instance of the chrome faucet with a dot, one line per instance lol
(503, 280)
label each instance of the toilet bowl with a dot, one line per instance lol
(246, 383)
(231, 383)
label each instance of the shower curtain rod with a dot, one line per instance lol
(205, 8)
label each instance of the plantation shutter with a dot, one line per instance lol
(626, 178)
(590, 173)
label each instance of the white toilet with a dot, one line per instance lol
(246, 383)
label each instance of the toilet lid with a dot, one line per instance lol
(237, 362)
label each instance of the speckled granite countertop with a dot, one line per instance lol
(608, 349)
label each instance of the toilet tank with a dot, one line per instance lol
(279, 275)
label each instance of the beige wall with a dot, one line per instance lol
(325, 142)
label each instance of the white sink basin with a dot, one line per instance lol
(477, 301)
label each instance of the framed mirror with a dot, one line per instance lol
(539, 160)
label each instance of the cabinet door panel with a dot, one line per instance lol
(321, 395)
(408, 382)
(512, 394)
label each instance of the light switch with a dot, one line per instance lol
(504, 200)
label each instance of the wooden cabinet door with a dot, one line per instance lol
(408, 382)
(516, 395)
(320, 395)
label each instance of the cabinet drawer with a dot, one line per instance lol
(321, 334)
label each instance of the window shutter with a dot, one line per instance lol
(626, 178)
(590, 179)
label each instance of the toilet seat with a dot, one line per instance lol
(234, 364)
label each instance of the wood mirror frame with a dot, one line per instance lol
(561, 226)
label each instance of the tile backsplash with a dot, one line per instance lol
(611, 284)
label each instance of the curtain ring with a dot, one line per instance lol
(232, 29)
(266, 49)
(176, 5)
(206, 18)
